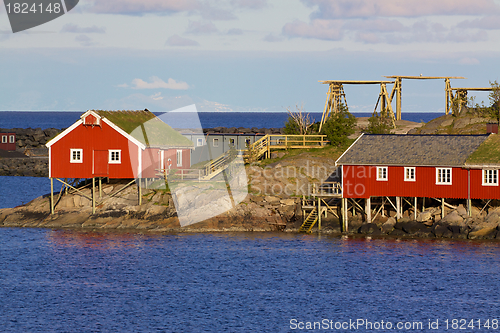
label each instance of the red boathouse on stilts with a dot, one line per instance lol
(116, 145)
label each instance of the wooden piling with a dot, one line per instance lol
(368, 210)
(93, 195)
(52, 196)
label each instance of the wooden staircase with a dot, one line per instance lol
(309, 222)
(216, 166)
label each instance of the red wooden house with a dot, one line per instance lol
(419, 166)
(422, 166)
(8, 141)
(117, 144)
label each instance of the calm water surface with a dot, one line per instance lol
(66, 281)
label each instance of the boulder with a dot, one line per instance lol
(412, 227)
(426, 215)
(368, 228)
(454, 218)
(483, 233)
(462, 211)
(388, 226)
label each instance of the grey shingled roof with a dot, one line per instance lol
(412, 150)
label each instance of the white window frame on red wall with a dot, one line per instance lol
(72, 156)
(385, 173)
(410, 171)
(440, 175)
(12, 139)
(4, 138)
(113, 154)
(489, 177)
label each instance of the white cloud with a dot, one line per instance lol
(487, 23)
(141, 7)
(157, 96)
(73, 28)
(250, 4)
(272, 38)
(469, 61)
(156, 83)
(329, 9)
(319, 29)
(201, 28)
(84, 40)
(176, 40)
(235, 31)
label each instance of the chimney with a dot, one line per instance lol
(492, 128)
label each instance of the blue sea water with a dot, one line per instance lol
(47, 119)
(70, 281)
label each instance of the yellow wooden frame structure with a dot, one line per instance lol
(336, 95)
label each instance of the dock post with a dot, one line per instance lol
(52, 196)
(140, 191)
(415, 208)
(319, 214)
(100, 187)
(442, 208)
(93, 195)
(469, 207)
(398, 208)
(368, 210)
(423, 204)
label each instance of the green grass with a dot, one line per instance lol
(487, 153)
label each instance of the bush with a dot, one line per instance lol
(339, 126)
(378, 124)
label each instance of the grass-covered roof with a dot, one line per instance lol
(487, 153)
(147, 128)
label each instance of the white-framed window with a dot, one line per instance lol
(216, 142)
(443, 176)
(199, 142)
(231, 142)
(4, 138)
(115, 156)
(76, 155)
(382, 173)
(12, 139)
(179, 158)
(490, 177)
(410, 174)
(247, 142)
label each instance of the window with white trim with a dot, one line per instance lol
(12, 139)
(199, 142)
(490, 177)
(115, 156)
(76, 155)
(216, 142)
(381, 173)
(409, 174)
(4, 138)
(179, 158)
(443, 176)
(231, 142)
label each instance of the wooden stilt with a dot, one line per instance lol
(52, 196)
(368, 210)
(100, 187)
(415, 209)
(93, 195)
(319, 214)
(140, 191)
(423, 205)
(398, 208)
(442, 208)
(469, 207)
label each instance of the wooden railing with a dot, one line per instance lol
(264, 145)
(333, 189)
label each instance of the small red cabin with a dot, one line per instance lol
(441, 166)
(117, 144)
(8, 141)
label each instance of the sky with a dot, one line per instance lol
(246, 55)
